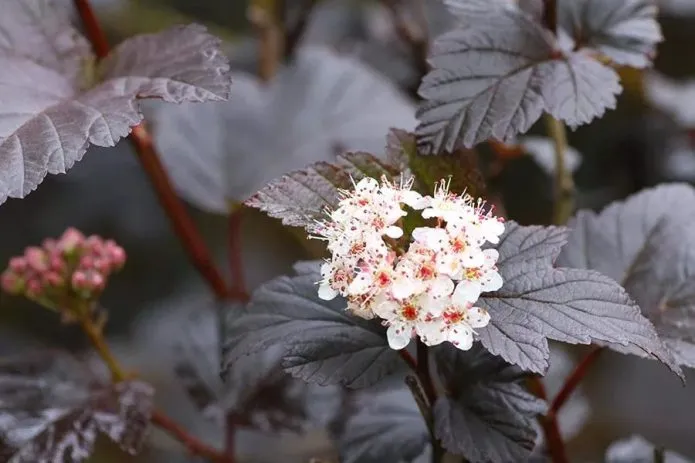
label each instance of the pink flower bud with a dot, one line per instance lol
(79, 280)
(96, 281)
(49, 244)
(36, 258)
(34, 288)
(118, 256)
(18, 264)
(57, 264)
(53, 279)
(71, 239)
(102, 265)
(12, 283)
(86, 262)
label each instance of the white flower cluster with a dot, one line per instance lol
(425, 284)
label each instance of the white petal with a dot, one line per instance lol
(367, 184)
(477, 317)
(361, 284)
(491, 256)
(432, 332)
(466, 291)
(326, 269)
(492, 229)
(386, 309)
(430, 213)
(398, 335)
(491, 282)
(461, 336)
(441, 286)
(472, 257)
(393, 232)
(421, 203)
(412, 199)
(326, 292)
(403, 287)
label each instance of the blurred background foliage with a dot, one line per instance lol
(637, 145)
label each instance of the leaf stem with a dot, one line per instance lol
(553, 438)
(95, 334)
(194, 446)
(563, 205)
(575, 378)
(181, 221)
(262, 15)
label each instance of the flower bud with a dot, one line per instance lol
(12, 283)
(79, 280)
(34, 288)
(53, 279)
(18, 264)
(36, 259)
(71, 240)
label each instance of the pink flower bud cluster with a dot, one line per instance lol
(58, 270)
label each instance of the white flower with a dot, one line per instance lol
(479, 280)
(425, 284)
(456, 325)
(403, 319)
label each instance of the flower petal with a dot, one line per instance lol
(326, 292)
(399, 335)
(492, 281)
(393, 232)
(431, 332)
(461, 336)
(478, 317)
(466, 291)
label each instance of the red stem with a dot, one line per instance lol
(94, 32)
(142, 141)
(553, 438)
(192, 443)
(409, 359)
(574, 379)
(423, 371)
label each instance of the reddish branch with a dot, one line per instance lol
(556, 447)
(550, 15)
(574, 379)
(142, 141)
(553, 438)
(193, 444)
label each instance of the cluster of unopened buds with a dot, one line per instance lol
(59, 272)
(424, 284)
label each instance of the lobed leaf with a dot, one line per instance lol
(646, 244)
(539, 301)
(488, 415)
(495, 74)
(300, 198)
(52, 410)
(627, 31)
(56, 103)
(321, 105)
(321, 342)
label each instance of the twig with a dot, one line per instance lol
(261, 14)
(553, 438)
(96, 336)
(563, 205)
(194, 446)
(182, 223)
(423, 372)
(293, 36)
(574, 379)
